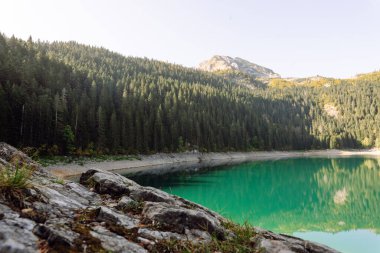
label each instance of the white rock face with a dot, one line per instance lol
(331, 110)
(222, 63)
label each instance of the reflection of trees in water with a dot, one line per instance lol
(341, 194)
(355, 194)
(306, 194)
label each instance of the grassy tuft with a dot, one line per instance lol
(59, 181)
(15, 178)
(243, 241)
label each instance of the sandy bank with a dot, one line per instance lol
(160, 163)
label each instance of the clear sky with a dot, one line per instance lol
(295, 38)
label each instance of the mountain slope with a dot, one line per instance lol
(69, 97)
(227, 63)
(73, 98)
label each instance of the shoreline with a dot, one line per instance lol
(110, 213)
(162, 163)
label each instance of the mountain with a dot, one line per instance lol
(69, 98)
(227, 63)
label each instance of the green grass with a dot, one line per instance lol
(81, 160)
(59, 181)
(15, 178)
(243, 242)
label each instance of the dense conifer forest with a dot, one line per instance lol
(68, 98)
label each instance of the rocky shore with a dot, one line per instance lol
(106, 212)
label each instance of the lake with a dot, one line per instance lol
(332, 201)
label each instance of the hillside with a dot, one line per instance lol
(68, 98)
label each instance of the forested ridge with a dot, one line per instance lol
(64, 97)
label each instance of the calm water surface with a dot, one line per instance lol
(332, 201)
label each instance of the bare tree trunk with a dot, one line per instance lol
(22, 122)
(56, 122)
(76, 121)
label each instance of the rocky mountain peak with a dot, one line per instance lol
(227, 63)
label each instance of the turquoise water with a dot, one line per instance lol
(332, 201)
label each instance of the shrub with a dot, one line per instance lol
(53, 150)
(68, 139)
(15, 177)
(31, 152)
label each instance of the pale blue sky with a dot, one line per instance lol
(337, 38)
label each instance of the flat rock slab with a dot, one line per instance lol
(107, 215)
(279, 243)
(16, 233)
(179, 218)
(57, 234)
(105, 182)
(140, 193)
